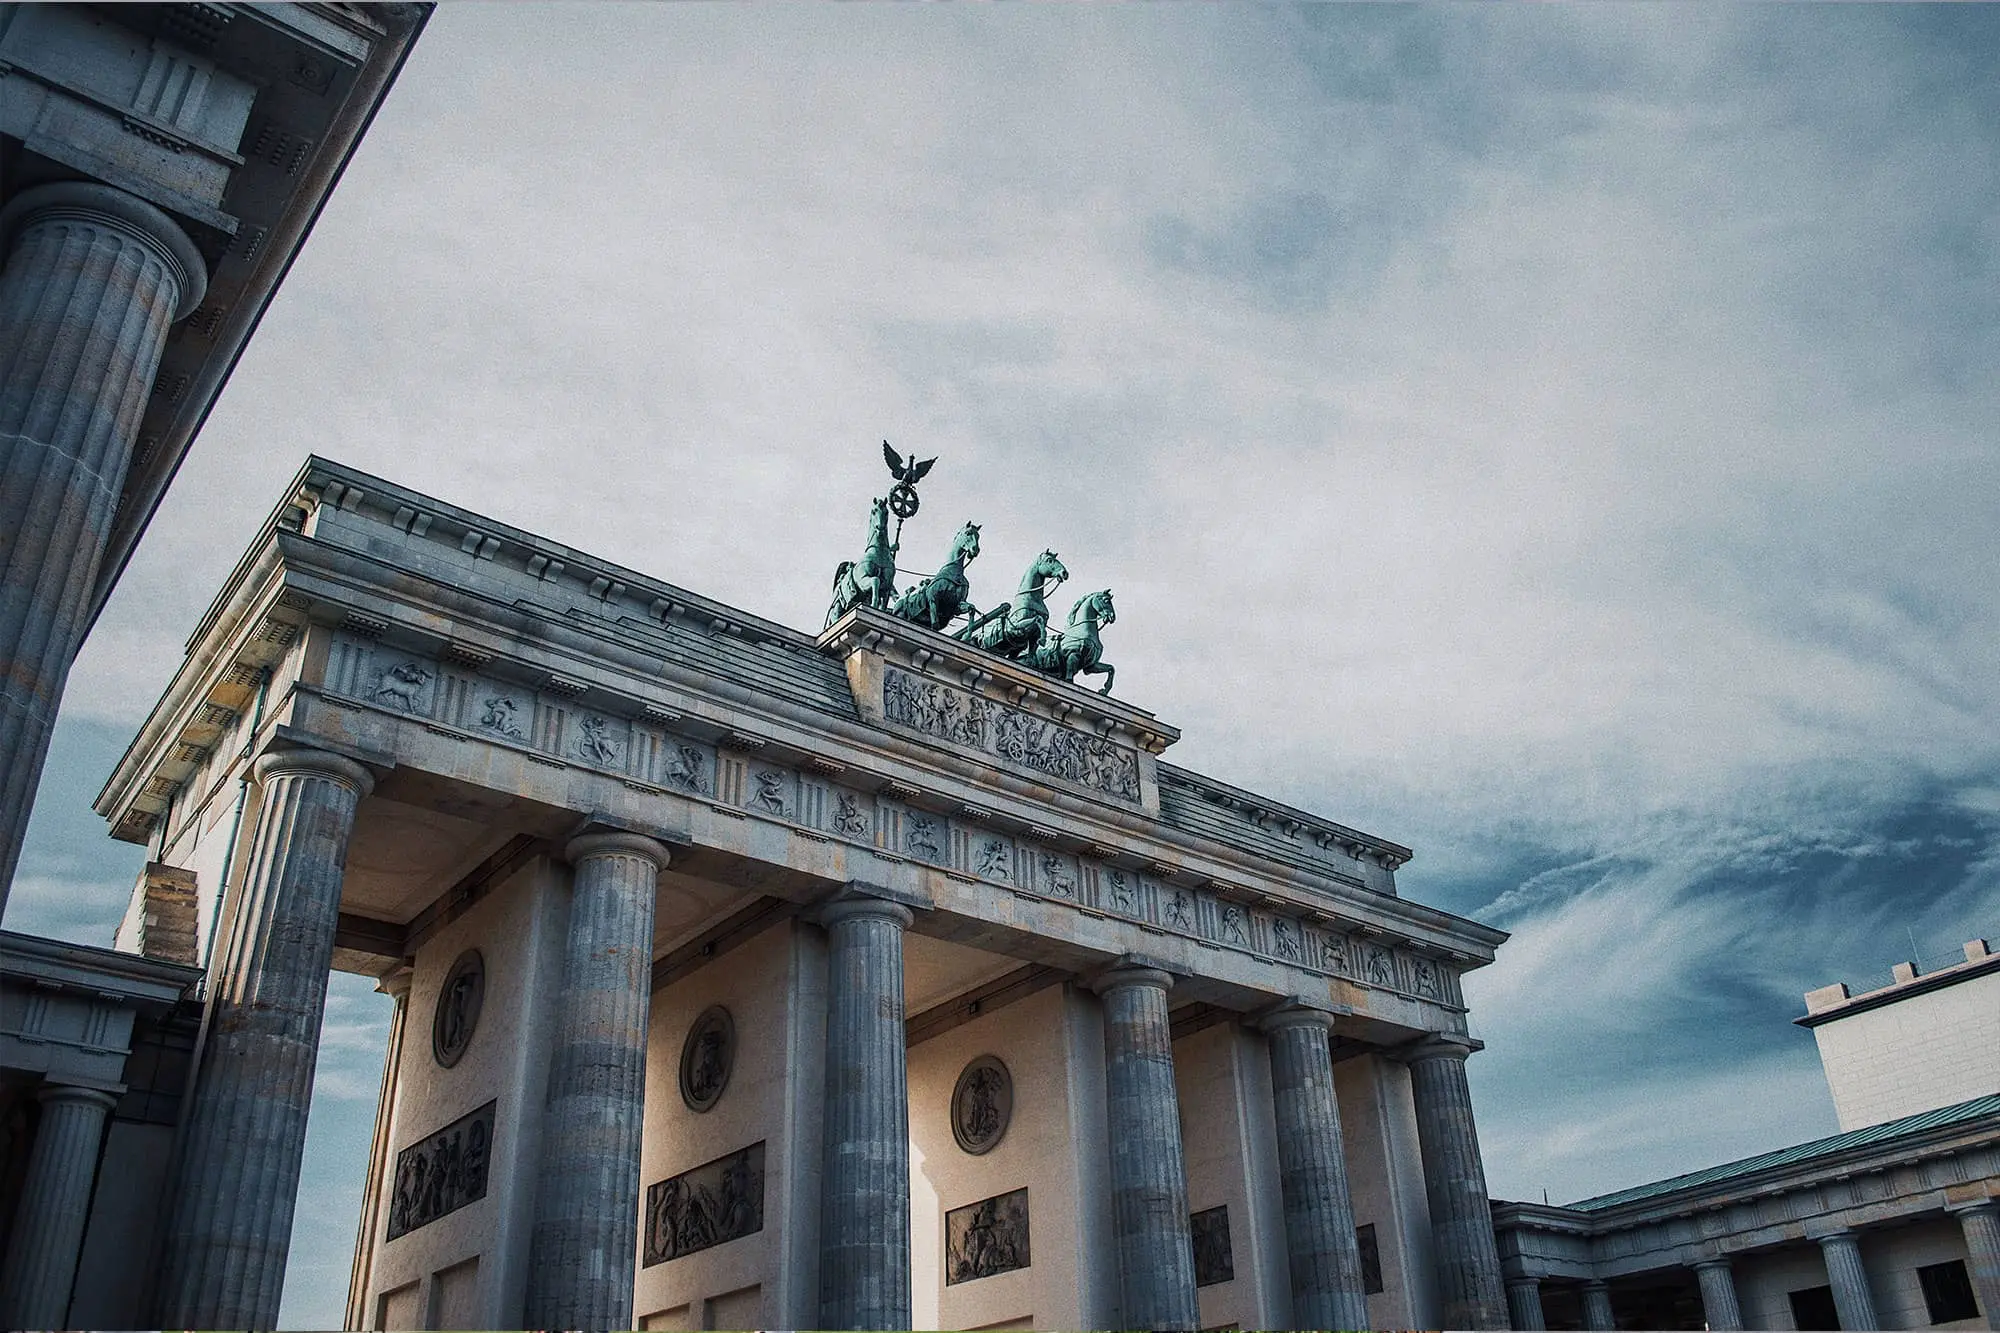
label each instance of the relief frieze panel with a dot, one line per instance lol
(1047, 747)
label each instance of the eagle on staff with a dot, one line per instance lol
(903, 497)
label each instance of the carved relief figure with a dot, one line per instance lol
(403, 685)
(770, 794)
(1178, 914)
(1428, 983)
(1379, 967)
(935, 709)
(1232, 925)
(1056, 877)
(921, 836)
(1213, 1261)
(684, 765)
(1333, 953)
(847, 818)
(707, 1057)
(712, 1203)
(442, 1173)
(982, 1104)
(985, 1238)
(1285, 940)
(1122, 899)
(500, 715)
(996, 859)
(594, 742)
(457, 1012)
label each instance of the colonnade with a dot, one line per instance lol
(229, 1229)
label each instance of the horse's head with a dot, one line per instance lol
(1097, 607)
(878, 518)
(965, 546)
(1047, 569)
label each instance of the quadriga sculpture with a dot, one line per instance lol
(942, 598)
(1015, 628)
(1077, 651)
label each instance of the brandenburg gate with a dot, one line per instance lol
(747, 977)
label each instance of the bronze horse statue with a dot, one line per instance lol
(1077, 651)
(942, 598)
(871, 579)
(1014, 629)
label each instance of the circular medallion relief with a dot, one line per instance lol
(707, 1057)
(457, 1011)
(982, 1104)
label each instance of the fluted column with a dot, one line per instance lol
(1597, 1307)
(1149, 1210)
(1467, 1260)
(55, 1203)
(1981, 1224)
(1327, 1286)
(93, 277)
(231, 1221)
(864, 1263)
(582, 1250)
(1524, 1303)
(1718, 1294)
(396, 985)
(1851, 1297)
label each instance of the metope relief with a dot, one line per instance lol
(995, 860)
(442, 1173)
(982, 1105)
(1058, 876)
(684, 766)
(985, 1238)
(598, 741)
(715, 1202)
(771, 791)
(1121, 894)
(848, 821)
(923, 836)
(1047, 747)
(503, 715)
(404, 684)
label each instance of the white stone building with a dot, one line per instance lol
(1892, 1223)
(749, 977)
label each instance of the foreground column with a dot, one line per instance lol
(92, 279)
(1597, 1307)
(1718, 1294)
(231, 1222)
(865, 1186)
(1524, 1303)
(1149, 1212)
(1467, 1261)
(1848, 1279)
(1327, 1287)
(374, 1192)
(55, 1203)
(581, 1252)
(1981, 1224)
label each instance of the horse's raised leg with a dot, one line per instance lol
(1104, 669)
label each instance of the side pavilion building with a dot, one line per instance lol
(751, 978)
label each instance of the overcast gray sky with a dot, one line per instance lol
(1559, 439)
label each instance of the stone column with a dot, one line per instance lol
(1327, 1287)
(1524, 1303)
(1149, 1209)
(582, 1249)
(230, 1225)
(54, 1205)
(864, 1267)
(1597, 1307)
(396, 985)
(1848, 1279)
(1718, 1294)
(1467, 1260)
(1981, 1224)
(92, 279)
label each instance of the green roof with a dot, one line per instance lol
(1866, 1137)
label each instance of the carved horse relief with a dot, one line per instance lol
(942, 598)
(871, 579)
(1015, 629)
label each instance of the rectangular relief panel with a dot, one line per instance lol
(706, 1205)
(442, 1173)
(985, 1238)
(1213, 1260)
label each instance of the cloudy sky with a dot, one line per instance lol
(1558, 439)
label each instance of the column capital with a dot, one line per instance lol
(317, 763)
(71, 1094)
(1837, 1234)
(1295, 1016)
(1122, 974)
(1720, 1261)
(588, 846)
(1595, 1284)
(92, 202)
(395, 983)
(851, 906)
(1438, 1046)
(1974, 1207)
